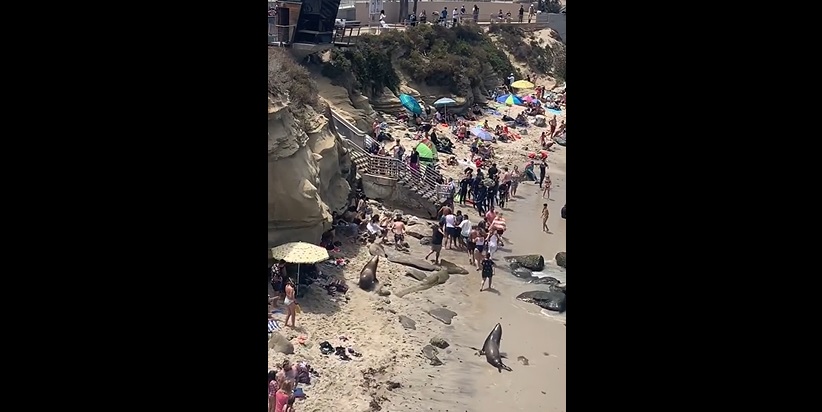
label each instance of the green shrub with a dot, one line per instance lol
(524, 47)
(287, 78)
(439, 56)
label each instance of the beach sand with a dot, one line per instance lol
(464, 382)
(392, 375)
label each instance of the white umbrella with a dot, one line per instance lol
(444, 102)
(299, 253)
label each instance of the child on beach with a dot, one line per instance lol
(487, 270)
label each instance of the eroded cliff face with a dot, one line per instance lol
(307, 173)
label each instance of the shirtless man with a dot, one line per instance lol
(471, 245)
(290, 303)
(399, 232)
(553, 124)
(445, 210)
(545, 215)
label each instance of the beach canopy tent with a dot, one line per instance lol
(427, 151)
(509, 99)
(411, 104)
(300, 253)
(482, 133)
(522, 84)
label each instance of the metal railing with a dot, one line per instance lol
(280, 33)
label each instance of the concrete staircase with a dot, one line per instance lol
(419, 183)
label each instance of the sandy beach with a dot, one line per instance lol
(392, 374)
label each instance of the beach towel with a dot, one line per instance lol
(553, 111)
(273, 325)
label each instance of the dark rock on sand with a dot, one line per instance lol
(410, 261)
(533, 262)
(560, 259)
(443, 315)
(383, 291)
(439, 342)
(415, 273)
(376, 249)
(453, 268)
(547, 300)
(558, 288)
(407, 322)
(280, 344)
(430, 353)
(425, 241)
(522, 272)
(414, 233)
(523, 360)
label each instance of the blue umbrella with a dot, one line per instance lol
(411, 104)
(444, 102)
(481, 133)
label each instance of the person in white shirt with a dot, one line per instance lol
(451, 230)
(492, 241)
(454, 17)
(374, 229)
(465, 230)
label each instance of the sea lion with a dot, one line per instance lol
(368, 274)
(491, 349)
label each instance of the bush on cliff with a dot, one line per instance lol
(287, 78)
(524, 47)
(450, 57)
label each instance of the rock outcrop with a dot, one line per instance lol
(560, 258)
(532, 262)
(308, 173)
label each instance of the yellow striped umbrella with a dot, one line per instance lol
(522, 84)
(299, 253)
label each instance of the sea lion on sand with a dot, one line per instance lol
(491, 349)
(368, 274)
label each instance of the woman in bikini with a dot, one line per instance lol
(290, 303)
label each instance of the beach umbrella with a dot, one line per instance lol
(522, 84)
(444, 102)
(411, 104)
(509, 99)
(482, 133)
(427, 151)
(299, 253)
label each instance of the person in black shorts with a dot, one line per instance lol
(487, 270)
(436, 242)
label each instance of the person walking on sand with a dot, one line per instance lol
(451, 230)
(542, 167)
(553, 125)
(515, 178)
(479, 241)
(465, 232)
(545, 214)
(470, 244)
(290, 303)
(436, 242)
(492, 240)
(487, 270)
(546, 192)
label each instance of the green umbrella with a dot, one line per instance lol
(427, 151)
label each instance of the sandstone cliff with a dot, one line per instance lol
(308, 170)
